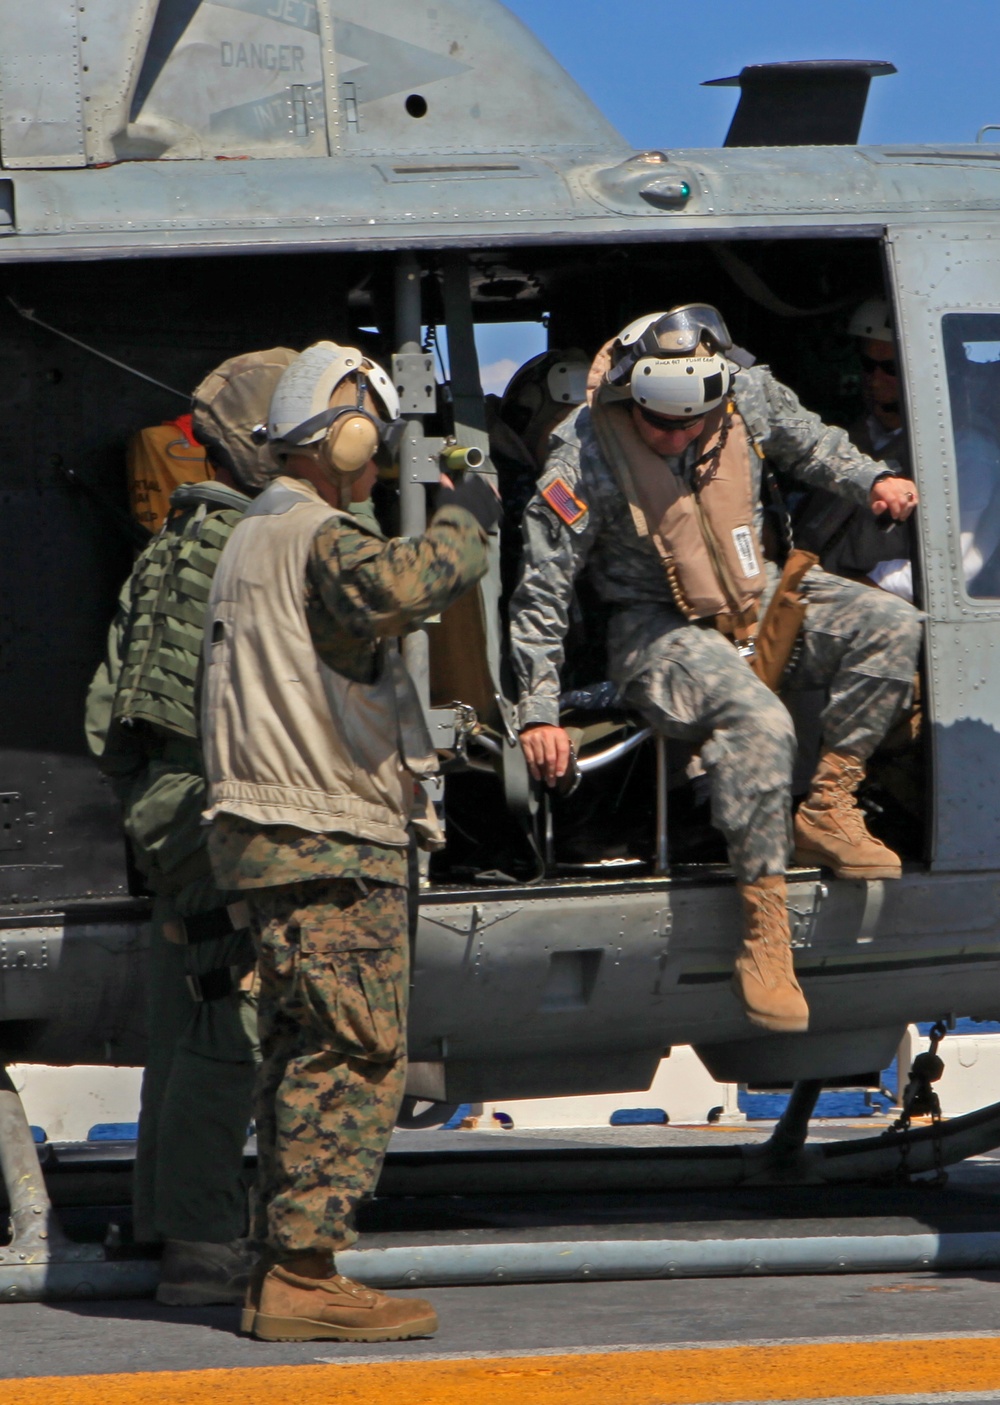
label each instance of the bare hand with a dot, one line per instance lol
(445, 482)
(897, 496)
(546, 750)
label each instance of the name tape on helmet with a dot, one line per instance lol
(565, 504)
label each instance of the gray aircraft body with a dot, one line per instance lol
(186, 179)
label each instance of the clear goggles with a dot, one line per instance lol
(676, 333)
(679, 332)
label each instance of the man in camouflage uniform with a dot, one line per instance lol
(848, 539)
(674, 660)
(538, 397)
(315, 746)
(142, 729)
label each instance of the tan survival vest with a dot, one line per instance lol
(704, 534)
(287, 740)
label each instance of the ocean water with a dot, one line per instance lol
(850, 1102)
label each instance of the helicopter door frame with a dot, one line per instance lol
(935, 271)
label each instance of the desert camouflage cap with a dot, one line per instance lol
(229, 413)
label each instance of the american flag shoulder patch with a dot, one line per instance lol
(564, 503)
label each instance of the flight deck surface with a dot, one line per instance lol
(872, 1337)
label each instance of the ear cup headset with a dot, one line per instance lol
(351, 434)
(327, 406)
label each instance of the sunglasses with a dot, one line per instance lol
(870, 364)
(665, 421)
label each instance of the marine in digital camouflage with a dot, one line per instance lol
(360, 588)
(330, 911)
(334, 970)
(859, 644)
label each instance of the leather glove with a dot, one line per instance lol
(476, 496)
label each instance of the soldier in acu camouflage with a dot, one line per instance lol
(537, 398)
(624, 479)
(142, 728)
(315, 749)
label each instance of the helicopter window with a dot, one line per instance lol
(972, 355)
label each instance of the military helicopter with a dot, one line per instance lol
(187, 179)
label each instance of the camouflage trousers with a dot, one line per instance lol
(334, 971)
(859, 645)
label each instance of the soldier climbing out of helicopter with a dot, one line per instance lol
(655, 489)
(537, 398)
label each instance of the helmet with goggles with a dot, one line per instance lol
(673, 363)
(336, 404)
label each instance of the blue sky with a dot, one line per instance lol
(642, 63)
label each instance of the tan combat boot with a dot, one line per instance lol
(296, 1308)
(763, 977)
(830, 829)
(251, 1298)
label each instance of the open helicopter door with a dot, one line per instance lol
(947, 290)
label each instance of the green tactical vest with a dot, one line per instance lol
(161, 655)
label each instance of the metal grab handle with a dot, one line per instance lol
(612, 753)
(587, 763)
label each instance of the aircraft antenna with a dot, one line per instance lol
(29, 316)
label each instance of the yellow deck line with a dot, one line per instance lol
(682, 1376)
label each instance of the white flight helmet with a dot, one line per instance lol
(873, 321)
(334, 402)
(550, 380)
(673, 363)
(566, 380)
